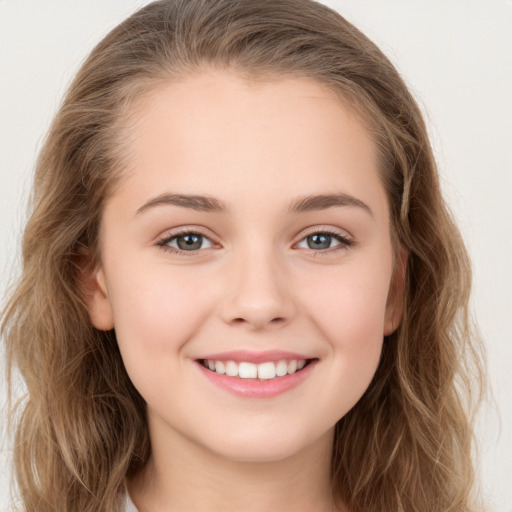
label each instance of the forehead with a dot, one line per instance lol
(218, 132)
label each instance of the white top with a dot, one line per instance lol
(128, 504)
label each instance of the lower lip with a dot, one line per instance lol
(256, 388)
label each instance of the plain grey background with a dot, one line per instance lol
(456, 56)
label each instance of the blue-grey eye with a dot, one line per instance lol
(189, 242)
(319, 241)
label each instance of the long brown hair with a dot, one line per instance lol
(81, 429)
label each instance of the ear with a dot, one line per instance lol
(95, 292)
(396, 295)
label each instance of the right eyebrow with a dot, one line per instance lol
(195, 202)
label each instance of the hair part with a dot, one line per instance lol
(406, 445)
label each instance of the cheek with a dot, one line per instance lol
(155, 312)
(352, 300)
(349, 308)
(349, 314)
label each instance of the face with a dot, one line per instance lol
(246, 264)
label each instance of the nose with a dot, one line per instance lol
(259, 294)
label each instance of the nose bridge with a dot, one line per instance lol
(258, 294)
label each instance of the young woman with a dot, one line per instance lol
(242, 289)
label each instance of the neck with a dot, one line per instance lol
(182, 476)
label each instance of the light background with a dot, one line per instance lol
(455, 55)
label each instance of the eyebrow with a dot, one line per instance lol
(194, 202)
(205, 203)
(325, 201)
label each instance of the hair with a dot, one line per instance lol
(81, 428)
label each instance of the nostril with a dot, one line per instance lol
(240, 320)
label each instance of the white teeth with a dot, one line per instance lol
(281, 368)
(266, 371)
(247, 371)
(231, 369)
(292, 366)
(263, 371)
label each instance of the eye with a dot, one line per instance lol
(323, 241)
(186, 242)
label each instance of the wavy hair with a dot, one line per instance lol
(81, 428)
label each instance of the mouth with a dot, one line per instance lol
(264, 371)
(257, 374)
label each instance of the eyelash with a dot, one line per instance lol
(344, 242)
(163, 243)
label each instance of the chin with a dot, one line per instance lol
(268, 446)
(258, 454)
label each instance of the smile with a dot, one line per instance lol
(247, 370)
(256, 375)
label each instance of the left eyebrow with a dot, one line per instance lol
(325, 201)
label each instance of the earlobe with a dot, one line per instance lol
(96, 296)
(396, 296)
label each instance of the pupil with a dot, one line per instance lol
(189, 242)
(319, 241)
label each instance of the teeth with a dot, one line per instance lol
(231, 369)
(247, 371)
(263, 371)
(281, 368)
(266, 371)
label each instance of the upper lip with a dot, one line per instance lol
(256, 357)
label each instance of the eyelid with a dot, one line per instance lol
(346, 241)
(330, 230)
(171, 234)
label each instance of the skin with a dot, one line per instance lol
(255, 284)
